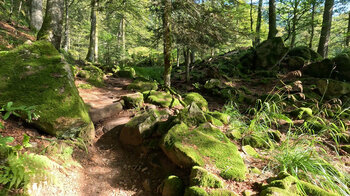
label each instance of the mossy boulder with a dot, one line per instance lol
(141, 86)
(191, 115)
(162, 99)
(214, 121)
(36, 75)
(198, 99)
(92, 74)
(269, 52)
(201, 177)
(195, 191)
(305, 52)
(139, 128)
(322, 69)
(214, 83)
(294, 63)
(125, 72)
(257, 140)
(173, 186)
(284, 185)
(224, 118)
(222, 192)
(234, 134)
(250, 151)
(333, 88)
(134, 100)
(342, 62)
(204, 145)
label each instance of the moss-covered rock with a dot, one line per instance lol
(257, 140)
(214, 121)
(305, 53)
(234, 134)
(270, 52)
(162, 99)
(201, 177)
(342, 62)
(294, 63)
(139, 128)
(191, 115)
(201, 146)
(92, 74)
(214, 83)
(320, 69)
(333, 88)
(125, 72)
(195, 191)
(134, 100)
(198, 99)
(222, 192)
(36, 75)
(285, 185)
(224, 118)
(250, 151)
(173, 186)
(141, 86)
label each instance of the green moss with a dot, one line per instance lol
(273, 191)
(250, 151)
(142, 86)
(222, 192)
(201, 177)
(213, 120)
(125, 72)
(163, 99)
(85, 86)
(257, 140)
(195, 191)
(133, 100)
(234, 134)
(198, 99)
(35, 75)
(225, 118)
(205, 145)
(94, 75)
(302, 113)
(173, 186)
(191, 115)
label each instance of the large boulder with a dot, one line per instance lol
(173, 186)
(322, 69)
(201, 177)
(133, 100)
(306, 53)
(196, 98)
(203, 146)
(342, 63)
(139, 128)
(36, 75)
(333, 88)
(141, 86)
(92, 74)
(162, 99)
(269, 53)
(124, 72)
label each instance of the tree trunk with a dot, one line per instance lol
(66, 42)
(123, 38)
(167, 42)
(294, 23)
(326, 28)
(187, 55)
(36, 14)
(93, 46)
(51, 29)
(348, 35)
(177, 57)
(258, 23)
(272, 19)
(312, 24)
(251, 16)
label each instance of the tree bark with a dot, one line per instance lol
(347, 41)
(93, 46)
(312, 23)
(187, 55)
(177, 57)
(36, 14)
(66, 40)
(326, 28)
(294, 23)
(258, 23)
(251, 16)
(51, 29)
(272, 19)
(123, 38)
(167, 42)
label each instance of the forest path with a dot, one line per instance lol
(109, 168)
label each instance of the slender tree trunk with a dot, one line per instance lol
(93, 46)
(66, 42)
(326, 28)
(36, 14)
(347, 41)
(19, 8)
(51, 29)
(272, 19)
(167, 42)
(177, 57)
(123, 38)
(187, 55)
(251, 16)
(258, 23)
(193, 56)
(294, 23)
(312, 24)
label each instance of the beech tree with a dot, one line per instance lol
(36, 14)
(272, 19)
(92, 55)
(51, 29)
(258, 23)
(347, 40)
(326, 28)
(167, 41)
